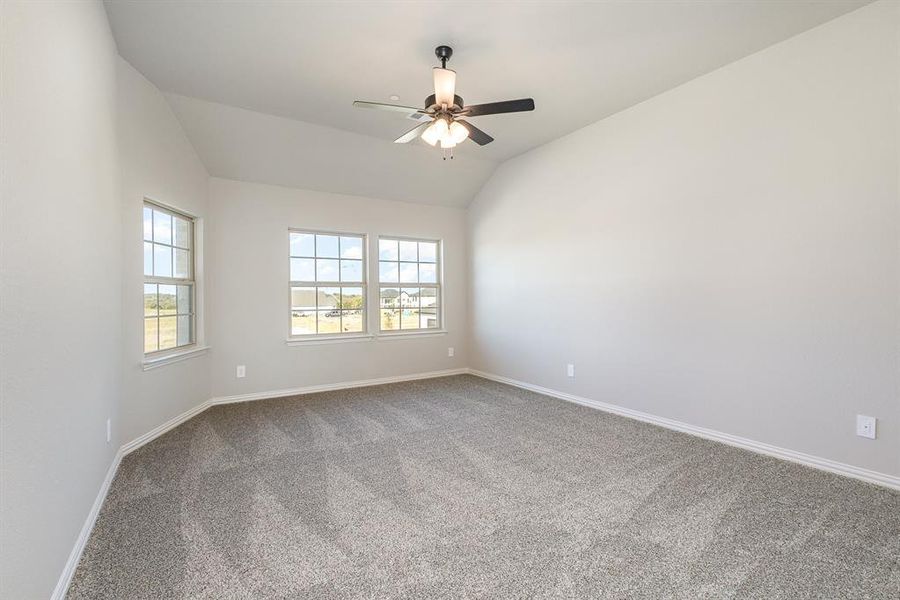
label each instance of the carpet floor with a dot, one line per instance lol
(460, 487)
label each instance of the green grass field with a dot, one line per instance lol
(167, 329)
(304, 323)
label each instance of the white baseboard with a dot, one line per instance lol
(808, 460)
(327, 387)
(298, 391)
(161, 429)
(62, 586)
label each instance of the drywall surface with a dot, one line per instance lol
(248, 283)
(158, 163)
(240, 144)
(60, 282)
(725, 254)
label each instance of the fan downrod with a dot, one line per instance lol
(443, 53)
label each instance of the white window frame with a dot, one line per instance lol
(438, 285)
(158, 357)
(313, 338)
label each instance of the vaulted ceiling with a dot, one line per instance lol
(264, 89)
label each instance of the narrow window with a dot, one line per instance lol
(328, 283)
(409, 280)
(169, 290)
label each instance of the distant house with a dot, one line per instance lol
(306, 299)
(409, 300)
(389, 299)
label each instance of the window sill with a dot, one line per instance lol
(412, 334)
(333, 339)
(160, 361)
(363, 337)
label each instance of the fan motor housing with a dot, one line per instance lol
(457, 102)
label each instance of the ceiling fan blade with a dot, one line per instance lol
(444, 86)
(494, 108)
(390, 107)
(412, 133)
(476, 135)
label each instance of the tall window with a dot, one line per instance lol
(409, 278)
(328, 283)
(168, 279)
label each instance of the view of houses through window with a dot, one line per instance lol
(328, 288)
(409, 284)
(328, 284)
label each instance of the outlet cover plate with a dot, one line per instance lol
(865, 426)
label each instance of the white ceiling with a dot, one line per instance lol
(235, 143)
(307, 61)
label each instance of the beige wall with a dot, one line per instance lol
(60, 282)
(248, 286)
(158, 163)
(724, 254)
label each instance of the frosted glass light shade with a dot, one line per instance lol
(444, 86)
(458, 133)
(437, 131)
(430, 135)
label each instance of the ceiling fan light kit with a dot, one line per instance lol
(444, 109)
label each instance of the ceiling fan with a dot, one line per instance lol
(443, 110)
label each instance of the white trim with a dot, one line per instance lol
(413, 333)
(327, 387)
(62, 585)
(161, 429)
(314, 340)
(808, 460)
(156, 362)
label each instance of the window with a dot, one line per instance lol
(168, 279)
(409, 278)
(328, 283)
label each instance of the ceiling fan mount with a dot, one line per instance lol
(443, 53)
(444, 108)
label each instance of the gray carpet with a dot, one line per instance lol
(464, 488)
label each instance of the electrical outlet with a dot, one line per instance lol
(450, 351)
(108, 430)
(241, 371)
(865, 426)
(570, 370)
